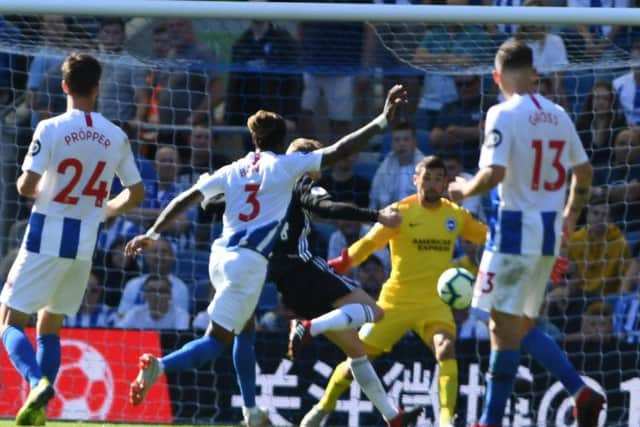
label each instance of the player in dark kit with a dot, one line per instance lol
(332, 304)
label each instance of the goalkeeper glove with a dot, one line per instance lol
(559, 268)
(342, 263)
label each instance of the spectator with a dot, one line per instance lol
(458, 128)
(394, 178)
(598, 38)
(158, 312)
(452, 47)
(8, 62)
(269, 59)
(631, 280)
(49, 56)
(92, 313)
(122, 82)
(158, 195)
(501, 32)
(371, 275)
(116, 270)
(455, 169)
(344, 184)
(600, 120)
(202, 159)
(549, 52)
(158, 260)
(596, 325)
(626, 87)
(330, 71)
(395, 71)
(620, 183)
(149, 109)
(191, 92)
(600, 252)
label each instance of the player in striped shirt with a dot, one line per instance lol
(71, 163)
(257, 191)
(529, 146)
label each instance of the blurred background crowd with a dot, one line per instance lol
(183, 90)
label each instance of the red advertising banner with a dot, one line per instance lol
(93, 384)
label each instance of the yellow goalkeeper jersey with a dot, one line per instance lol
(421, 248)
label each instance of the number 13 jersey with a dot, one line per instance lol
(257, 191)
(537, 143)
(77, 154)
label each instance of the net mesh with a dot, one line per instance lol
(182, 90)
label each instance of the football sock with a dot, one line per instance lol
(346, 317)
(503, 366)
(338, 384)
(448, 390)
(244, 361)
(548, 354)
(192, 355)
(48, 356)
(22, 355)
(372, 387)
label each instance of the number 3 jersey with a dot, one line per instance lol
(537, 143)
(77, 155)
(257, 191)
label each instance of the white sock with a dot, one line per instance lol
(370, 383)
(350, 316)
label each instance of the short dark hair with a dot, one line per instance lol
(82, 73)
(268, 130)
(513, 55)
(405, 125)
(105, 22)
(431, 162)
(303, 145)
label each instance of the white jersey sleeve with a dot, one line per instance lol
(212, 184)
(496, 147)
(39, 156)
(127, 170)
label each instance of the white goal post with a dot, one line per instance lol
(326, 12)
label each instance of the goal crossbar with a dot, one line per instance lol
(326, 12)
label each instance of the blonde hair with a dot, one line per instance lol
(303, 145)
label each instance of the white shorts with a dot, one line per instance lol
(512, 284)
(38, 281)
(238, 276)
(338, 92)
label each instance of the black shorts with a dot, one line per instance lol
(309, 288)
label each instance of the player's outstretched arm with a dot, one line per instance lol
(328, 209)
(357, 140)
(174, 209)
(578, 196)
(126, 200)
(484, 180)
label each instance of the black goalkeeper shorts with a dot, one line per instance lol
(309, 288)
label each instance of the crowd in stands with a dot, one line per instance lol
(323, 86)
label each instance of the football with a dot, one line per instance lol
(455, 287)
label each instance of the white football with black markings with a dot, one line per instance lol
(455, 287)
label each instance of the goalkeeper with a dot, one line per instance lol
(421, 249)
